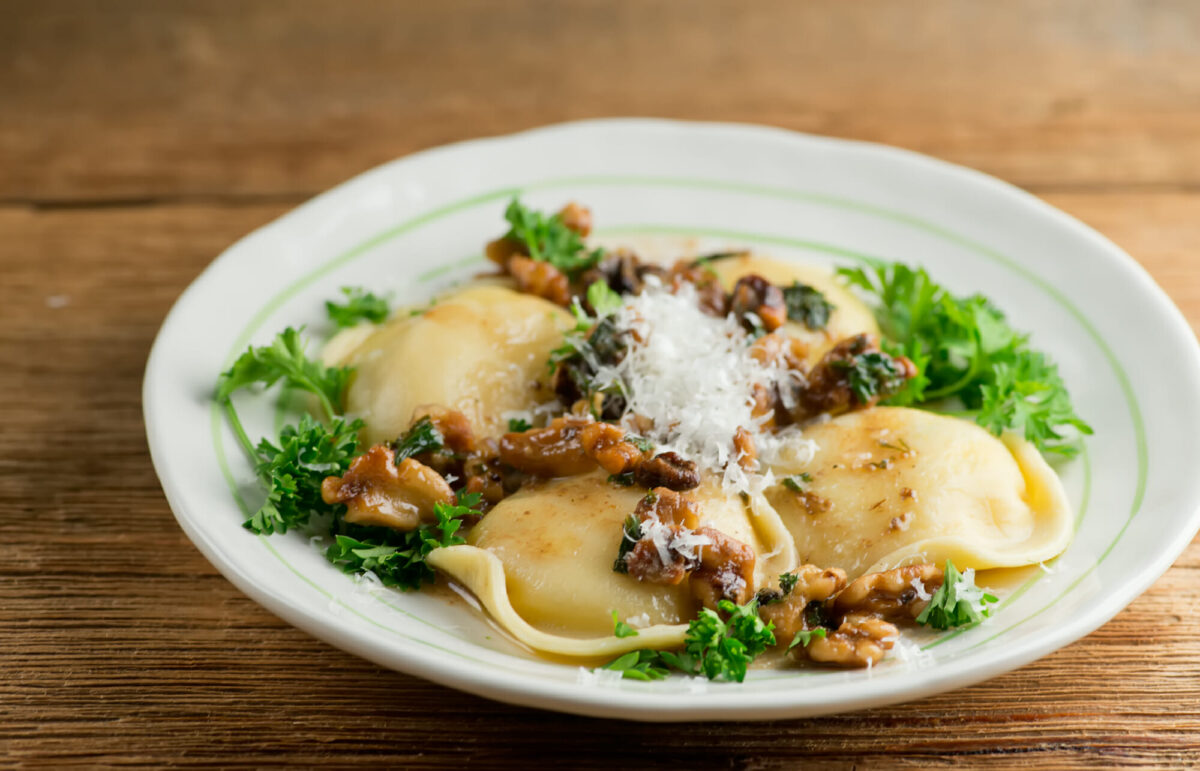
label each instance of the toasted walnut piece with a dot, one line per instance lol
(606, 444)
(754, 294)
(378, 492)
(644, 561)
(577, 217)
(744, 450)
(890, 594)
(502, 250)
(667, 469)
(861, 640)
(553, 451)
(828, 389)
(812, 503)
(455, 428)
(541, 279)
(813, 585)
(668, 506)
(622, 270)
(712, 299)
(779, 348)
(726, 570)
(483, 476)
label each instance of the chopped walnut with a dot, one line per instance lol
(541, 279)
(726, 570)
(890, 594)
(378, 492)
(667, 469)
(744, 450)
(712, 298)
(644, 561)
(455, 428)
(553, 451)
(502, 250)
(829, 387)
(861, 640)
(623, 271)
(754, 294)
(606, 444)
(577, 217)
(788, 612)
(668, 506)
(779, 348)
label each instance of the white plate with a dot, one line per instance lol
(418, 223)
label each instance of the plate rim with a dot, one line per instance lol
(601, 701)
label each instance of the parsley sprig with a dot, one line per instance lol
(957, 602)
(398, 558)
(548, 239)
(719, 649)
(293, 470)
(965, 348)
(360, 306)
(284, 359)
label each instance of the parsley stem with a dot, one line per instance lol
(240, 432)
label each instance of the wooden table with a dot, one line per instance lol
(139, 139)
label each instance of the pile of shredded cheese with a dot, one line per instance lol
(692, 375)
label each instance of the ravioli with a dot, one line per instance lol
(481, 351)
(892, 486)
(850, 316)
(557, 541)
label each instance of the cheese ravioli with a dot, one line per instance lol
(892, 486)
(481, 351)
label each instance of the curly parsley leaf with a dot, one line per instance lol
(284, 359)
(398, 558)
(807, 305)
(421, 437)
(639, 665)
(548, 239)
(966, 349)
(723, 649)
(805, 636)
(360, 306)
(622, 629)
(518, 425)
(957, 602)
(294, 469)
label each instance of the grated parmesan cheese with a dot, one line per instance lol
(693, 376)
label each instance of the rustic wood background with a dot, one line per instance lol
(139, 139)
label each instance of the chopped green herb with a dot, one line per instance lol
(625, 479)
(518, 425)
(872, 374)
(603, 299)
(423, 436)
(640, 442)
(787, 582)
(805, 636)
(797, 482)
(957, 602)
(965, 348)
(639, 665)
(807, 305)
(284, 359)
(294, 469)
(548, 239)
(631, 533)
(360, 306)
(399, 558)
(621, 629)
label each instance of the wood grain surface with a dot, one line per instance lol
(139, 139)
